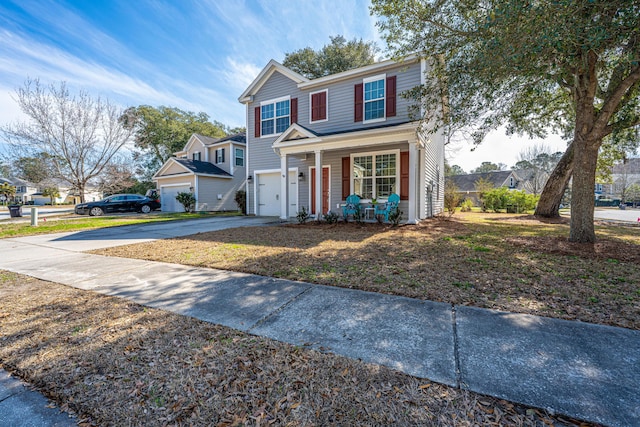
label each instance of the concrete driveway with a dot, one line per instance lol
(80, 241)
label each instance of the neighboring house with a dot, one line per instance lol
(28, 193)
(213, 169)
(353, 126)
(466, 184)
(623, 176)
(24, 190)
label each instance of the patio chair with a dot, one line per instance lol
(388, 207)
(351, 207)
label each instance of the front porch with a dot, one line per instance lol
(372, 164)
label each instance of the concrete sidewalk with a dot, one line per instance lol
(582, 370)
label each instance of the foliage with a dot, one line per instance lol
(499, 199)
(139, 187)
(453, 170)
(570, 66)
(79, 134)
(302, 216)
(330, 217)
(395, 216)
(161, 131)
(7, 190)
(188, 200)
(339, 55)
(36, 169)
(482, 187)
(241, 201)
(452, 197)
(117, 177)
(52, 193)
(466, 205)
(488, 167)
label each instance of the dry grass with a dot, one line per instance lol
(499, 261)
(113, 362)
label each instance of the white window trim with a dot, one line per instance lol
(198, 153)
(218, 150)
(274, 101)
(327, 106)
(375, 153)
(244, 161)
(382, 77)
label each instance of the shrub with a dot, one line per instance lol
(188, 200)
(331, 217)
(302, 215)
(241, 201)
(466, 205)
(395, 216)
(451, 197)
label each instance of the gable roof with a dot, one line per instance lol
(271, 67)
(468, 182)
(195, 167)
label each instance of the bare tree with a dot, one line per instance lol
(117, 176)
(536, 163)
(81, 134)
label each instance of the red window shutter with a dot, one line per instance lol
(256, 125)
(358, 102)
(294, 110)
(391, 96)
(318, 106)
(346, 177)
(404, 175)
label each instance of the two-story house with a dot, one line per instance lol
(213, 169)
(354, 127)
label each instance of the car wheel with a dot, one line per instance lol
(96, 211)
(145, 209)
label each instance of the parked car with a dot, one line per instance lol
(118, 203)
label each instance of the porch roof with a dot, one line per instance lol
(298, 139)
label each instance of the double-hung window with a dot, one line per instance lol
(239, 157)
(196, 156)
(375, 175)
(275, 116)
(374, 98)
(220, 155)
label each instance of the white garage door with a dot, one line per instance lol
(168, 198)
(268, 185)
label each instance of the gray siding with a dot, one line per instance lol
(260, 155)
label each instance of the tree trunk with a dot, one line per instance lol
(583, 191)
(551, 196)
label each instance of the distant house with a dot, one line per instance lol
(623, 176)
(213, 169)
(29, 193)
(513, 180)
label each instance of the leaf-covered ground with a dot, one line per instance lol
(113, 363)
(499, 261)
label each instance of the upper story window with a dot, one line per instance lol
(274, 116)
(512, 182)
(196, 156)
(374, 98)
(220, 155)
(239, 157)
(318, 105)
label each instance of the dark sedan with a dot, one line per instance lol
(118, 203)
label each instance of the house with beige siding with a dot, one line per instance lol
(354, 127)
(213, 169)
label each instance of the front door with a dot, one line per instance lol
(325, 190)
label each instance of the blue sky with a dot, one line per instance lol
(194, 55)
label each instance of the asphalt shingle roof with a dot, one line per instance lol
(199, 167)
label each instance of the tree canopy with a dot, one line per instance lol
(161, 131)
(569, 65)
(339, 55)
(79, 134)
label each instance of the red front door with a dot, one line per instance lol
(325, 190)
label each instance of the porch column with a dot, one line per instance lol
(413, 194)
(319, 189)
(284, 188)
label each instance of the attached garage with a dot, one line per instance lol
(168, 197)
(268, 193)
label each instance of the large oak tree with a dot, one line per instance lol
(569, 65)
